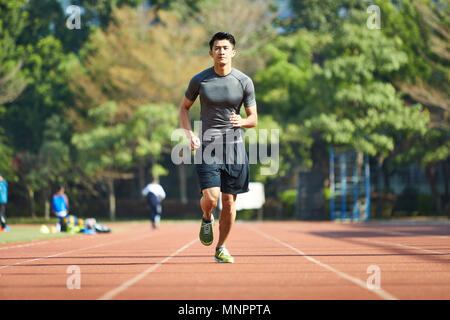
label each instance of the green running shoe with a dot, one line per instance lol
(206, 232)
(222, 255)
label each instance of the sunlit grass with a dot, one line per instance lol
(28, 233)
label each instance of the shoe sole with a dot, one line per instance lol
(210, 242)
(222, 261)
(206, 243)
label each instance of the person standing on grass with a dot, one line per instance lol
(60, 207)
(155, 194)
(222, 90)
(3, 202)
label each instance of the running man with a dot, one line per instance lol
(222, 90)
(155, 194)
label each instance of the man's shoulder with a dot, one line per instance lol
(203, 74)
(239, 75)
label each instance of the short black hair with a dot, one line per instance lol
(222, 36)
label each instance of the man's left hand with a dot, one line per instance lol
(236, 120)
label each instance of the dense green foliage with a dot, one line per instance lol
(92, 106)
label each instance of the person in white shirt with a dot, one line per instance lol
(155, 194)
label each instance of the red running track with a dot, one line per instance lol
(273, 261)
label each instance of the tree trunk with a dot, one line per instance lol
(386, 179)
(432, 180)
(387, 183)
(380, 188)
(359, 164)
(446, 178)
(46, 204)
(182, 181)
(30, 194)
(142, 182)
(317, 177)
(112, 199)
(279, 210)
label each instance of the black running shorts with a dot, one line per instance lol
(223, 165)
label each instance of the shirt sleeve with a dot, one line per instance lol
(145, 191)
(193, 89)
(163, 194)
(249, 93)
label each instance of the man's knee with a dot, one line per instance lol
(210, 201)
(228, 201)
(210, 197)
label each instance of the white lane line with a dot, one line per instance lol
(390, 243)
(112, 293)
(406, 246)
(39, 242)
(380, 292)
(401, 233)
(25, 245)
(71, 251)
(337, 236)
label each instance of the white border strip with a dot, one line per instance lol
(380, 292)
(112, 293)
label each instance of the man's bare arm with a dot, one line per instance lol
(185, 121)
(249, 122)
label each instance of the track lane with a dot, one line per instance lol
(169, 264)
(103, 259)
(262, 270)
(407, 271)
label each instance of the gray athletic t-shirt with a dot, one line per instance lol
(219, 96)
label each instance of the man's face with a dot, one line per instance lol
(222, 51)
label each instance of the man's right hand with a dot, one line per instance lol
(195, 142)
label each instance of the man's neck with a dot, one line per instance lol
(222, 69)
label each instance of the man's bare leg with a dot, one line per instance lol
(208, 202)
(227, 217)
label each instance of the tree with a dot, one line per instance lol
(48, 18)
(6, 157)
(109, 148)
(49, 167)
(102, 151)
(139, 60)
(149, 133)
(54, 159)
(250, 22)
(324, 16)
(12, 79)
(45, 65)
(336, 88)
(36, 43)
(423, 30)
